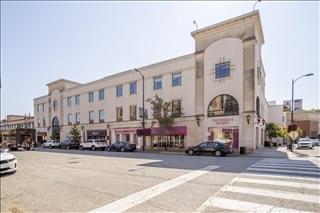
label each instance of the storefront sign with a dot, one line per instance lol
(125, 130)
(222, 121)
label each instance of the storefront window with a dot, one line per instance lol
(223, 105)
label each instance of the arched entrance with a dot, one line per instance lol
(55, 129)
(223, 108)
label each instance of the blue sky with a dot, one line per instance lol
(83, 41)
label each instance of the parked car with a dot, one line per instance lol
(304, 143)
(94, 144)
(315, 142)
(121, 146)
(51, 144)
(69, 144)
(8, 162)
(215, 147)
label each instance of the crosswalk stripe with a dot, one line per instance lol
(134, 199)
(273, 193)
(281, 176)
(283, 171)
(280, 183)
(237, 205)
(284, 164)
(285, 167)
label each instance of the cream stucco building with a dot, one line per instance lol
(219, 88)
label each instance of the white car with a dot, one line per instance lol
(8, 162)
(304, 143)
(94, 144)
(315, 142)
(51, 144)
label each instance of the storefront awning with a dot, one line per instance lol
(175, 130)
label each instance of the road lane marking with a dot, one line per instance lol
(237, 205)
(144, 195)
(273, 193)
(280, 183)
(285, 167)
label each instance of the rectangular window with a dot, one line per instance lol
(133, 112)
(91, 117)
(69, 101)
(176, 108)
(157, 83)
(69, 119)
(44, 122)
(176, 79)
(119, 114)
(222, 70)
(55, 105)
(42, 107)
(101, 94)
(101, 116)
(78, 118)
(77, 99)
(119, 91)
(91, 96)
(38, 108)
(133, 88)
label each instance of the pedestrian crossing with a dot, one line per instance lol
(270, 185)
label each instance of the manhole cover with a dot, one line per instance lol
(73, 162)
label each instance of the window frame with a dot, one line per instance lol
(77, 116)
(69, 101)
(69, 118)
(119, 114)
(119, 89)
(133, 90)
(155, 83)
(173, 83)
(77, 100)
(101, 120)
(178, 113)
(221, 74)
(133, 117)
(221, 106)
(91, 120)
(91, 98)
(101, 94)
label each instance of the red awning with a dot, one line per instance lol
(175, 130)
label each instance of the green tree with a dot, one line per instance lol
(162, 113)
(274, 130)
(75, 133)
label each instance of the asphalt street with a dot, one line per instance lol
(82, 181)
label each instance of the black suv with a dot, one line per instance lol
(69, 144)
(121, 146)
(214, 147)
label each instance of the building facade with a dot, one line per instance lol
(16, 130)
(217, 92)
(307, 120)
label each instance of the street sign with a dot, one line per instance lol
(293, 135)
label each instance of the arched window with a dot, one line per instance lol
(258, 106)
(223, 105)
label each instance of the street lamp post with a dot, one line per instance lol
(292, 98)
(143, 123)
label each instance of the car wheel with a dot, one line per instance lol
(218, 153)
(81, 147)
(190, 152)
(108, 149)
(50, 147)
(122, 149)
(93, 148)
(68, 147)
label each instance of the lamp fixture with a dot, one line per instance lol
(248, 117)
